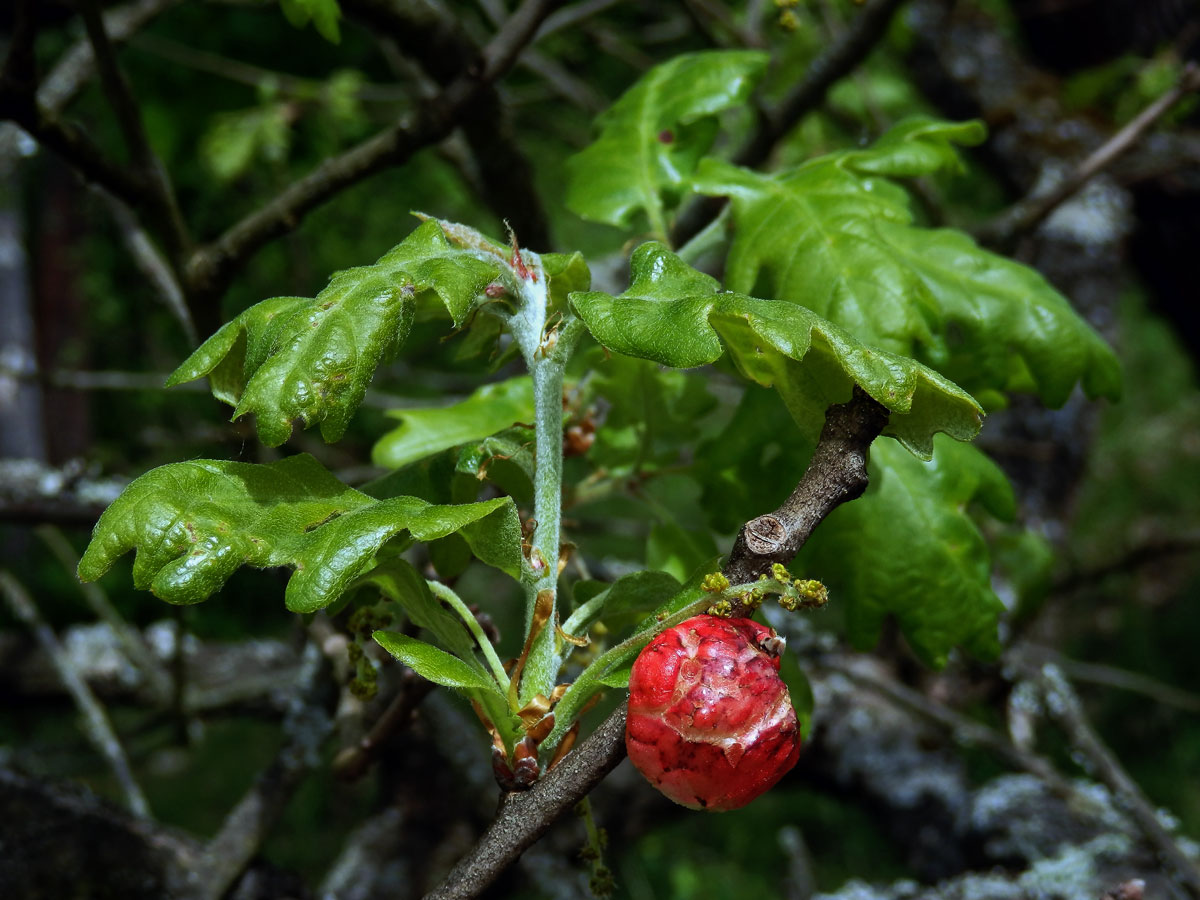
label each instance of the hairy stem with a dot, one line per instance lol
(836, 474)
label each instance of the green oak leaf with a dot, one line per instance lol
(194, 523)
(566, 272)
(835, 235)
(652, 137)
(436, 665)
(908, 548)
(311, 359)
(423, 432)
(680, 317)
(652, 412)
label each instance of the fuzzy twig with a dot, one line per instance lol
(837, 473)
(1026, 214)
(96, 724)
(129, 118)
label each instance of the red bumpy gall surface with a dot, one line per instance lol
(711, 723)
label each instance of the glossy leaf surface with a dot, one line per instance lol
(436, 665)
(680, 317)
(653, 136)
(834, 236)
(194, 523)
(294, 358)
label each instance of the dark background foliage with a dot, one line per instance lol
(238, 104)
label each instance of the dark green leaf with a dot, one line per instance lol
(835, 237)
(676, 550)
(679, 317)
(908, 548)
(194, 523)
(653, 136)
(625, 602)
(753, 464)
(652, 413)
(324, 15)
(566, 272)
(423, 432)
(311, 359)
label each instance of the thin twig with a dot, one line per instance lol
(1123, 679)
(73, 145)
(76, 66)
(258, 77)
(1026, 214)
(247, 826)
(843, 57)
(573, 15)
(129, 117)
(1063, 705)
(352, 763)
(83, 380)
(854, 44)
(96, 724)
(964, 730)
(1149, 552)
(133, 645)
(151, 263)
(837, 473)
(211, 266)
(436, 40)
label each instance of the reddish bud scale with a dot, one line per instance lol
(710, 722)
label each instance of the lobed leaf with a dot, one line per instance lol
(311, 359)
(908, 548)
(194, 523)
(834, 236)
(423, 432)
(653, 136)
(680, 317)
